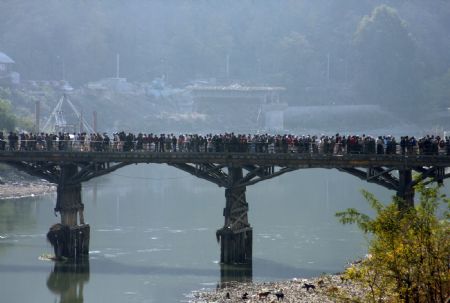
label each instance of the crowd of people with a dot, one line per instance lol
(227, 142)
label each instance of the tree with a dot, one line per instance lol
(298, 65)
(438, 91)
(385, 65)
(7, 119)
(409, 251)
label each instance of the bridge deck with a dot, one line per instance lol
(297, 160)
(69, 169)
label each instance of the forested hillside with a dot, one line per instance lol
(393, 53)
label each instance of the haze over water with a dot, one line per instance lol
(153, 235)
(135, 66)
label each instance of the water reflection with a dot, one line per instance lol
(235, 273)
(17, 213)
(67, 280)
(156, 249)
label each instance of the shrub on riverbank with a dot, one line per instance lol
(409, 250)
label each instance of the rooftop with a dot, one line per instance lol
(235, 87)
(4, 58)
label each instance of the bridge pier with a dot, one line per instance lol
(236, 235)
(405, 190)
(70, 238)
(242, 273)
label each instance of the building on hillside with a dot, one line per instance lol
(116, 85)
(239, 107)
(7, 75)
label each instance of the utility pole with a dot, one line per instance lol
(95, 121)
(328, 69)
(117, 65)
(228, 66)
(37, 116)
(81, 122)
(63, 69)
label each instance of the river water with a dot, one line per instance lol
(153, 235)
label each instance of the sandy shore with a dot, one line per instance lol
(326, 290)
(23, 189)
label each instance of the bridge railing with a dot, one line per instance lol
(313, 147)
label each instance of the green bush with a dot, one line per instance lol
(409, 250)
(7, 119)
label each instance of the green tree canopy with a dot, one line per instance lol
(385, 65)
(437, 90)
(409, 250)
(294, 43)
(7, 119)
(297, 63)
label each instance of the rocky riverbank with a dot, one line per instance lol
(15, 184)
(16, 190)
(324, 289)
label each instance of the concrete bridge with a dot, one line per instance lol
(231, 170)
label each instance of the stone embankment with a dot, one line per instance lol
(327, 288)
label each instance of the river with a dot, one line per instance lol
(153, 235)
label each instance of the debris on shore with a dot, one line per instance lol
(15, 184)
(23, 189)
(324, 289)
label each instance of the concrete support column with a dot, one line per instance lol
(236, 235)
(405, 191)
(70, 238)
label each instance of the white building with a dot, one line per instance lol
(7, 76)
